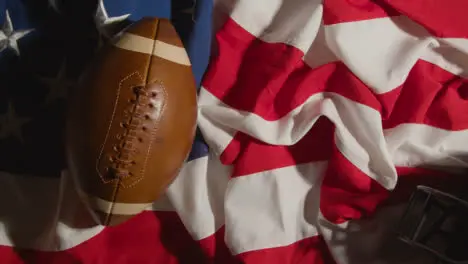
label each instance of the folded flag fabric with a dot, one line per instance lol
(316, 121)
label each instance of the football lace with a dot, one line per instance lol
(126, 149)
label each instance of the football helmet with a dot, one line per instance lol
(436, 222)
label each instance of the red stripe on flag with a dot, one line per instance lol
(346, 192)
(349, 194)
(216, 250)
(431, 96)
(271, 80)
(10, 256)
(251, 155)
(310, 250)
(441, 18)
(149, 240)
(248, 73)
(339, 11)
(151, 237)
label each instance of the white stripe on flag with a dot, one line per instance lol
(280, 21)
(380, 51)
(273, 208)
(198, 195)
(350, 118)
(220, 133)
(413, 145)
(30, 206)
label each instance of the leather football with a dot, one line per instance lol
(131, 121)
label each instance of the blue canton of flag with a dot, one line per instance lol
(44, 47)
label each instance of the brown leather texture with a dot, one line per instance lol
(131, 122)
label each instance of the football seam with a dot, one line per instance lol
(114, 198)
(155, 129)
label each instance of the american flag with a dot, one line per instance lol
(317, 118)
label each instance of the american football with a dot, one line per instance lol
(131, 121)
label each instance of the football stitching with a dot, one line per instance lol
(153, 134)
(110, 125)
(116, 187)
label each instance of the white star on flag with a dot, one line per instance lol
(10, 124)
(9, 37)
(108, 26)
(58, 85)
